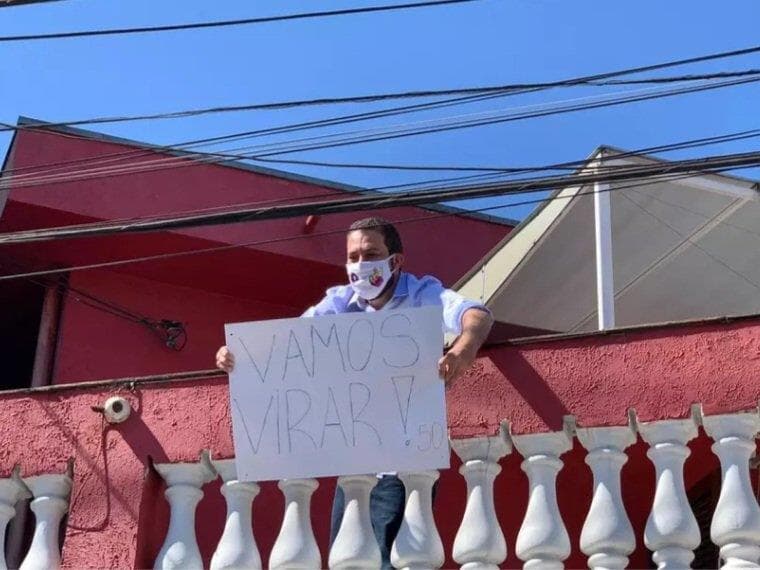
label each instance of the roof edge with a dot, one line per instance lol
(30, 122)
(526, 221)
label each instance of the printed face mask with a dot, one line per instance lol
(369, 278)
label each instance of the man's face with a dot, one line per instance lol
(365, 245)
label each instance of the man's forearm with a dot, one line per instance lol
(476, 324)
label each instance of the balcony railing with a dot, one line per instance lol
(559, 511)
(607, 536)
(49, 496)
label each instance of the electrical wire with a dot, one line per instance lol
(270, 241)
(454, 181)
(229, 23)
(246, 134)
(172, 333)
(410, 94)
(375, 201)
(152, 149)
(329, 141)
(497, 119)
(459, 168)
(669, 147)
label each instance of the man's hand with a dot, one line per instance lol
(453, 364)
(225, 360)
(476, 324)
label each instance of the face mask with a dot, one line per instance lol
(369, 278)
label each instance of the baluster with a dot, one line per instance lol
(479, 543)
(11, 490)
(418, 544)
(296, 547)
(183, 491)
(237, 547)
(355, 545)
(607, 536)
(542, 542)
(672, 532)
(735, 526)
(51, 500)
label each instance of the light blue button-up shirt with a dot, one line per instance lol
(410, 292)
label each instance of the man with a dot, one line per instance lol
(375, 256)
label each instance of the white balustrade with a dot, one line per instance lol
(50, 503)
(183, 491)
(418, 544)
(11, 490)
(237, 546)
(295, 547)
(355, 545)
(735, 525)
(542, 542)
(672, 532)
(607, 536)
(479, 543)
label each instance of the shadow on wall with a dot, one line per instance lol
(531, 386)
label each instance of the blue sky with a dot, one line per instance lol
(482, 43)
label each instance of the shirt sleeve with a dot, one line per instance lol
(334, 302)
(454, 305)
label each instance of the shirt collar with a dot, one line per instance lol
(402, 290)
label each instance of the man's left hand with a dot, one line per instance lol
(453, 364)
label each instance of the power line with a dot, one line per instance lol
(151, 150)
(678, 78)
(452, 182)
(357, 137)
(514, 169)
(230, 23)
(498, 119)
(373, 202)
(447, 181)
(588, 79)
(221, 248)
(172, 333)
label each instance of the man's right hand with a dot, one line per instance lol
(225, 360)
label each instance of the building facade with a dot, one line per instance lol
(630, 447)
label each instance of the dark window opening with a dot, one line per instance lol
(19, 327)
(703, 498)
(20, 531)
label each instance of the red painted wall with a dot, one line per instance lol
(446, 246)
(95, 344)
(118, 518)
(204, 291)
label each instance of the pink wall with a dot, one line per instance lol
(95, 345)
(660, 371)
(118, 517)
(444, 246)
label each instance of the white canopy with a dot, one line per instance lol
(683, 248)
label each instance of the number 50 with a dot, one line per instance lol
(431, 436)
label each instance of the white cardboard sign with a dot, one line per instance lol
(338, 395)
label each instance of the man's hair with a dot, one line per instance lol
(389, 232)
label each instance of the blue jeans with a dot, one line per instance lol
(386, 510)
